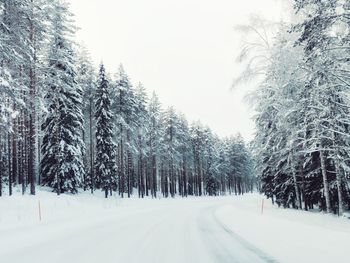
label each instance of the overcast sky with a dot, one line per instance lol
(183, 49)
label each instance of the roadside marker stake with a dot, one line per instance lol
(262, 206)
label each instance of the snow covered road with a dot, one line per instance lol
(180, 231)
(223, 244)
(90, 229)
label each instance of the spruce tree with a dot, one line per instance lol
(105, 164)
(154, 130)
(87, 80)
(62, 148)
(144, 180)
(125, 110)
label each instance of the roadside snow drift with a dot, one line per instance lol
(88, 228)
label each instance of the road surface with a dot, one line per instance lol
(173, 232)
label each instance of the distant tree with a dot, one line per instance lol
(105, 165)
(154, 134)
(144, 179)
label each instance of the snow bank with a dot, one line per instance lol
(288, 235)
(18, 210)
(72, 223)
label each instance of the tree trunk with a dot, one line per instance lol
(295, 183)
(121, 169)
(184, 177)
(325, 182)
(32, 109)
(338, 177)
(14, 153)
(303, 188)
(2, 161)
(339, 184)
(154, 174)
(9, 163)
(129, 172)
(32, 133)
(142, 179)
(92, 171)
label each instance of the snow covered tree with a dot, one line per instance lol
(125, 109)
(62, 147)
(325, 36)
(197, 144)
(105, 165)
(210, 180)
(171, 155)
(37, 31)
(87, 80)
(185, 151)
(154, 134)
(302, 143)
(23, 25)
(144, 180)
(45, 85)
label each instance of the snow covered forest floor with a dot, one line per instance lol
(88, 228)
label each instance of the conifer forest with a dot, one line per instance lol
(72, 127)
(174, 131)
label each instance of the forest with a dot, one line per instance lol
(302, 106)
(99, 163)
(69, 126)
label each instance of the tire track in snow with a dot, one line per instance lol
(224, 245)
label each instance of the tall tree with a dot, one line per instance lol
(125, 109)
(144, 180)
(105, 165)
(62, 149)
(87, 79)
(154, 139)
(325, 36)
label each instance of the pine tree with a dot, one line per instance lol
(171, 157)
(105, 165)
(125, 109)
(144, 180)
(154, 139)
(62, 148)
(43, 85)
(37, 27)
(22, 26)
(87, 79)
(186, 157)
(197, 144)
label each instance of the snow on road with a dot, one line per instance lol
(85, 228)
(289, 235)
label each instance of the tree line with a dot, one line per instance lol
(65, 126)
(302, 103)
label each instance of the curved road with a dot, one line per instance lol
(177, 232)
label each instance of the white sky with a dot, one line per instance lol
(185, 50)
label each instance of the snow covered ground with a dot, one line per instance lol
(86, 228)
(289, 235)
